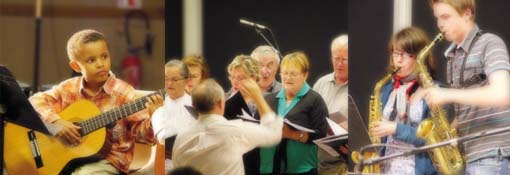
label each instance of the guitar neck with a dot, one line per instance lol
(115, 114)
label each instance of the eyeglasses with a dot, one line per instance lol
(343, 60)
(396, 53)
(174, 79)
(192, 76)
(237, 78)
(290, 74)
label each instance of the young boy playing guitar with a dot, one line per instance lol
(89, 55)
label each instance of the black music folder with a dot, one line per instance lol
(169, 144)
(332, 144)
(192, 111)
(337, 137)
(234, 107)
(18, 109)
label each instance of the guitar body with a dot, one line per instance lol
(55, 154)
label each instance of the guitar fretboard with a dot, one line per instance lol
(117, 113)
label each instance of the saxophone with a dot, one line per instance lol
(436, 128)
(375, 114)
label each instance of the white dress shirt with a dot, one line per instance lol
(215, 146)
(172, 117)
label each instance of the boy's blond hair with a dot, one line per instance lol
(459, 5)
(82, 37)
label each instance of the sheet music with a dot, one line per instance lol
(247, 116)
(337, 129)
(298, 127)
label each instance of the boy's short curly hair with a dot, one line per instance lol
(82, 37)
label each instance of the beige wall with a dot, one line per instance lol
(17, 41)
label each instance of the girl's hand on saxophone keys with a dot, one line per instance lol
(384, 128)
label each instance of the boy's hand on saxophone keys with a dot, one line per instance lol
(435, 96)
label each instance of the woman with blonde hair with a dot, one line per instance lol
(242, 67)
(299, 104)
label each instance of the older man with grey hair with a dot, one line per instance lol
(269, 61)
(334, 90)
(214, 145)
(333, 87)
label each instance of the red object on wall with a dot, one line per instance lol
(132, 70)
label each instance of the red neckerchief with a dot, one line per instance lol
(398, 80)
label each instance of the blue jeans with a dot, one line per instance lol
(489, 166)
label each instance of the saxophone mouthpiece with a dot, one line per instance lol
(395, 70)
(439, 37)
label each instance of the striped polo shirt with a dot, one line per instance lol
(488, 54)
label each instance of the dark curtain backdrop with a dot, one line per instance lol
(370, 26)
(303, 25)
(173, 29)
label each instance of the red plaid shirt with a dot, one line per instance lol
(114, 92)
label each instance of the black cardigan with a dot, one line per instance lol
(310, 112)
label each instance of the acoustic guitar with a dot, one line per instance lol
(31, 152)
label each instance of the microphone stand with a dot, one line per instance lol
(454, 141)
(37, 50)
(269, 42)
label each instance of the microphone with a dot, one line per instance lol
(249, 23)
(257, 29)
